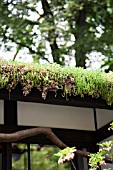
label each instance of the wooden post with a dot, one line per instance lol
(10, 118)
(6, 156)
(29, 157)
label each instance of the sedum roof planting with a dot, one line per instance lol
(52, 77)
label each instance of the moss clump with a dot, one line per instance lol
(52, 77)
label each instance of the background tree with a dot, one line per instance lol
(41, 158)
(58, 31)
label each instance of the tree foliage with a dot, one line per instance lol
(43, 158)
(58, 30)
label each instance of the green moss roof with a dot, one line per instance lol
(51, 77)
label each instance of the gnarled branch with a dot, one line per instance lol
(19, 135)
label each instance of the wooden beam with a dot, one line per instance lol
(104, 133)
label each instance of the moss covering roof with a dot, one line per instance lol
(52, 77)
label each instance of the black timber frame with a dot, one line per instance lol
(90, 137)
(69, 136)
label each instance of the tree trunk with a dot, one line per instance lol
(51, 32)
(80, 59)
(79, 33)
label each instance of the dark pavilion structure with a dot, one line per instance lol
(79, 121)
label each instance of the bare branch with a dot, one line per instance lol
(33, 9)
(17, 51)
(19, 135)
(20, 44)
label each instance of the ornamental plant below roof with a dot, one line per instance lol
(52, 77)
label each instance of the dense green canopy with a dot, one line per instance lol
(52, 77)
(59, 30)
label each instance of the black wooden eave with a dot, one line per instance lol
(52, 98)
